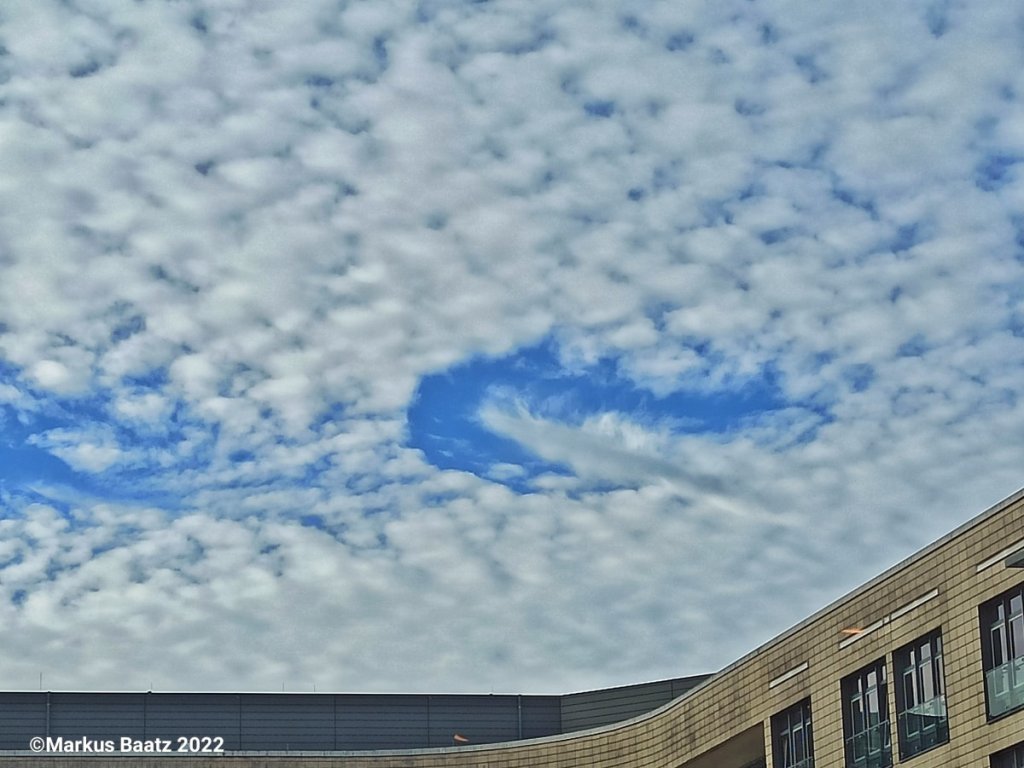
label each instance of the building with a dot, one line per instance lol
(922, 665)
(322, 722)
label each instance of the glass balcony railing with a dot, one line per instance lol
(923, 726)
(929, 711)
(871, 748)
(1005, 687)
(787, 761)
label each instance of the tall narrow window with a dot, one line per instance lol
(792, 745)
(866, 718)
(1002, 651)
(1009, 758)
(920, 695)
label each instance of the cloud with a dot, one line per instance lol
(686, 282)
(10, 394)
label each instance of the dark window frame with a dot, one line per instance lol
(867, 734)
(793, 736)
(1011, 757)
(1001, 625)
(918, 670)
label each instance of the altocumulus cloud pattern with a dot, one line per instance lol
(451, 345)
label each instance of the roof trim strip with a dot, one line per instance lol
(787, 675)
(1001, 556)
(891, 617)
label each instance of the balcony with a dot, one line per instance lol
(1005, 687)
(807, 762)
(923, 726)
(871, 748)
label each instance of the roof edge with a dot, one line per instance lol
(888, 573)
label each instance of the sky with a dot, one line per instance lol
(514, 346)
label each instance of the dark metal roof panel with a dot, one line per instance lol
(317, 722)
(97, 715)
(481, 719)
(287, 722)
(381, 721)
(170, 715)
(22, 715)
(592, 709)
(541, 716)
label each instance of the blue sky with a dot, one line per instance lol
(448, 417)
(460, 346)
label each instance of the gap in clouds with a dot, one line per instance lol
(30, 469)
(445, 420)
(54, 448)
(25, 465)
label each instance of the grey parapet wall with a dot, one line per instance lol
(295, 722)
(591, 709)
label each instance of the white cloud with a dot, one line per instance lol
(243, 233)
(53, 375)
(11, 394)
(146, 407)
(87, 450)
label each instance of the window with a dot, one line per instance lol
(1009, 758)
(792, 745)
(920, 696)
(866, 718)
(1002, 651)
